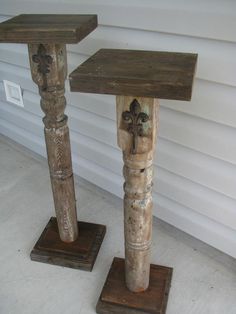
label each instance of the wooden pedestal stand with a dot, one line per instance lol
(62, 242)
(138, 78)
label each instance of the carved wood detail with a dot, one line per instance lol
(49, 69)
(134, 117)
(42, 59)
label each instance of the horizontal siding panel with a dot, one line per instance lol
(95, 152)
(195, 172)
(18, 75)
(83, 122)
(210, 172)
(202, 20)
(197, 167)
(97, 104)
(177, 188)
(17, 54)
(14, 54)
(80, 121)
(91, 172)
(182, 217)
(192, 223)
(200, 199)
(201, 135)
(195, 224)
(216, 140)
(206, 103)
(213, 205)
(33, 124)
(98, 175)
(101, 105)
(209, 52)
(22, 119)
(211, 101)
(24, 137)
(31, 103)
(210, 204)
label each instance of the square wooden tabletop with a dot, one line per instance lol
(47, 28)
(156, 74)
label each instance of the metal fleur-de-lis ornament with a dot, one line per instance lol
(135, 118)
(44, 61)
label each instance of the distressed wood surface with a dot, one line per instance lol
(49, 69)
(80, 254)
(47, 28)
(116, 298)
(133, 72)
(137, 128)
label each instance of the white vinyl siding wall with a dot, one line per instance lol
(195, 164)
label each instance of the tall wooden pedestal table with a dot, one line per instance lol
(64, 241)
(138, 78)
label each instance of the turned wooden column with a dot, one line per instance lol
(137, 128)
(49, 70)
(138, 79)
(46, 37)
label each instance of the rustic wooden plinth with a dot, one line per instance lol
(117, 298)
(138, 79)
(80, 254)
(47, 36)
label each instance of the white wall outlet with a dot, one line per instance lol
(13, 93)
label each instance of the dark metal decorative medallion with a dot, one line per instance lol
(44, 61)
(135, 119)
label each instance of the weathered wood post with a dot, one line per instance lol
(46, 36)
(49, 70)
(138, 78)
(137, 128)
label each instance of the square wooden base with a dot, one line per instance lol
(116, 298)
(80, 254)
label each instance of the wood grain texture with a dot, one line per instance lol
(196, 151)
(134, 72)
(80, 254)
(116, 298)
(138, 174)
(47, 28)
(49, 69)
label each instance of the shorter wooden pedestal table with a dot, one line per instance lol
(64, 241)
(137, 78)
